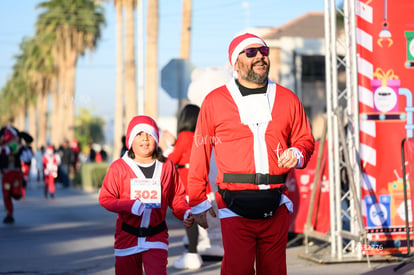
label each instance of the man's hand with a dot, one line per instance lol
(288, 159)
(201, 218)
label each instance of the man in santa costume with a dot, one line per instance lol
(139, 187)
(259, 131)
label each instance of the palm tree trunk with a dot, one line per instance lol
(57, 108)
(119, 99)
(41, 116)
(130, 66)
(69, 134)
(151, 93)
(32, 122)
(20, 118)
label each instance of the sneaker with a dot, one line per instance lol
(8, 219)
(213, 250)
(188, 261)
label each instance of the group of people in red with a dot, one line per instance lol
(16, 156)
(258, 131)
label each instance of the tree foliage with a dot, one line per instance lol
(88, 128)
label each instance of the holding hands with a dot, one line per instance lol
(189, 221)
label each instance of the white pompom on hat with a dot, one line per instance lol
(141, 124)
(240, 42)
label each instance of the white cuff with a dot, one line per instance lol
(169, 150)
(286, 201)
(201, 207)
(298, 155)
(138, 208)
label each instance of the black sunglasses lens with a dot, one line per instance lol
(264, 51)
(251, 52)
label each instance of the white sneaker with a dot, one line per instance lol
(188, 261)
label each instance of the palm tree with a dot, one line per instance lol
(38, 64)
(75, 26)
(151, 91)
(14, 95)
(10, 101)
(120, 93)
(130, 66)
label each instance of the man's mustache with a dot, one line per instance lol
(260, 62)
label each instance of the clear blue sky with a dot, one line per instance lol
(214, 23)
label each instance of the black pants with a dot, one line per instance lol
(192, 234)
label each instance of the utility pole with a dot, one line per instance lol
(140, 42)
(185, 49)
(186, 30)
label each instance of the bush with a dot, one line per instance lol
(92, 175)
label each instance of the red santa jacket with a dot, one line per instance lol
(181, 156)
(50, 165)
(241, 147)
(115, 197)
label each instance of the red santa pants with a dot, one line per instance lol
(263, 240)
(50, 184)
(26, 170)
(7, 199)
(154, 262)
(12, 188)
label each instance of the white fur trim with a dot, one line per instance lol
(201, 207)
(138, 208)
(298, 155)
(142, 128)
(242, 45)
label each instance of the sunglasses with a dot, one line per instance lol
(251, 52)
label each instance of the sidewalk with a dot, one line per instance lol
(73, 234)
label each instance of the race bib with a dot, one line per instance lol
(148, 191)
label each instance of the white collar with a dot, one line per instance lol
(256, 108)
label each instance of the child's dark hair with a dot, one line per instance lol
(157, 154)
(187, 120)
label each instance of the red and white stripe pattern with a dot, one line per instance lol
(365, 46)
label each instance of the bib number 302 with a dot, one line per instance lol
(146, 194)
(147, 191)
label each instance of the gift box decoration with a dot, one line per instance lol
(385, 88)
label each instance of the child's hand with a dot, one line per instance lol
(189, 221)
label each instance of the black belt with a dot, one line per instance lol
(144, 231)
(257, 178)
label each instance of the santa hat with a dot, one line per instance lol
(49, 150)
(10, 133)
(240, 42)
(141, 124)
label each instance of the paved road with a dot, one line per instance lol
(72, 234)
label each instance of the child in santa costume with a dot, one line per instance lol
(180, 155)
(50, 170)
(140, 187)
(259, 131)
(11, 169)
